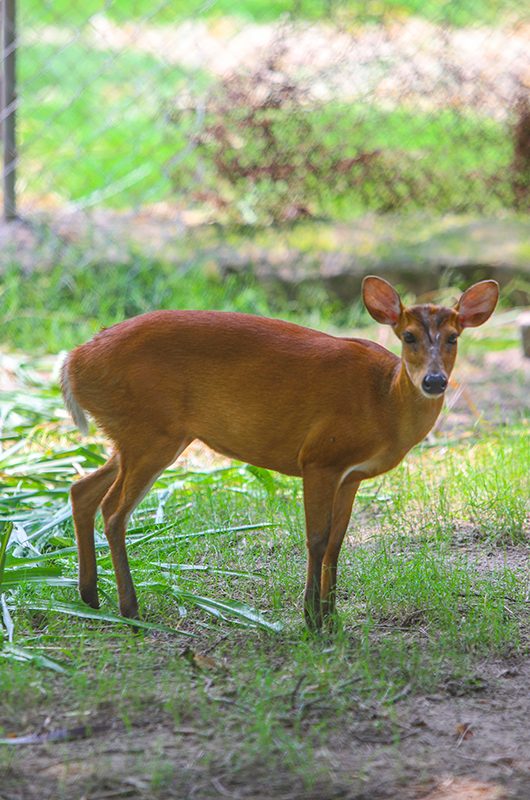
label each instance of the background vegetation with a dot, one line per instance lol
(464, 13)
(251, 144)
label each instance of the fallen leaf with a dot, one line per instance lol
(199, 661)
(56, 735)
(464, 731)
(465, 789)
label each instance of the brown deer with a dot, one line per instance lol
(331, 410)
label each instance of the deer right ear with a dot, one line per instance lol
(477, 303)
(381, 300)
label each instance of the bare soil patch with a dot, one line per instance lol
(468, 740)
(489, 390)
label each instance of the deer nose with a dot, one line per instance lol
(434, 383)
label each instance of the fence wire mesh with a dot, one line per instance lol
(135, 117)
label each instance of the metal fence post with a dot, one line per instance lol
(9, 102)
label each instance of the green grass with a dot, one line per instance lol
(92, 123)
(432, 579)
(442, 160)
(61, 307)
(203, 541)
(467, 12)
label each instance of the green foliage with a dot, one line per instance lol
(475, 487)
(252, 163)
(202, 539)
(260, 163)
(35, 482)
(66, 305)
(63, 94)
(465, 12)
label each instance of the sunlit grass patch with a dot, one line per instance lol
(433, 580)
(64, 306)
(482, 481)
(464, 13)
(439, 595)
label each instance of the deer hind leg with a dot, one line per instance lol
(86, 496)
(139, 468)
(342, 507)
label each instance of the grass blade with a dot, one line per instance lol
(4, 539)
(17, 578)
(61, 516)
(241, 611)
(11, 651)
(208, 532)
(78, 610)
(7, 619)
(204, 568)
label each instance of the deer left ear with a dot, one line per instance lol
(381, 300)
(477, 304)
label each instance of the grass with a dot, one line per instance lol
(100, 126)
(467, 12)
(87, 113)
(224, 682)
(64, 305)
(443, 160)
(61, 307)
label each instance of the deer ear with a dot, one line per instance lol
(477, 304)
(381, 300)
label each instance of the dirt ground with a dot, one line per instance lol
(490, 390)
(468, 741)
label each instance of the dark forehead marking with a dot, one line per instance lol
(442, 315)
(428, 315)
(422, 314)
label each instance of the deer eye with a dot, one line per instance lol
(451, 339)
(409, 337)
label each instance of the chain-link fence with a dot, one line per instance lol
(134, 117)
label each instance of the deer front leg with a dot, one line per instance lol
(342, 507)
(320, 485)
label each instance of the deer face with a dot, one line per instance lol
(429, 333)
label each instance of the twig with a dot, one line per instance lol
(115, 793)
(296, 689)
(382, 740)
(191, 732)
(226, 701)
(216, 783)
(463, 735)
(399, 696)
(215, 644)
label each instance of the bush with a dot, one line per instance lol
(266, 152)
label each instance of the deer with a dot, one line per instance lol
(334, 411)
